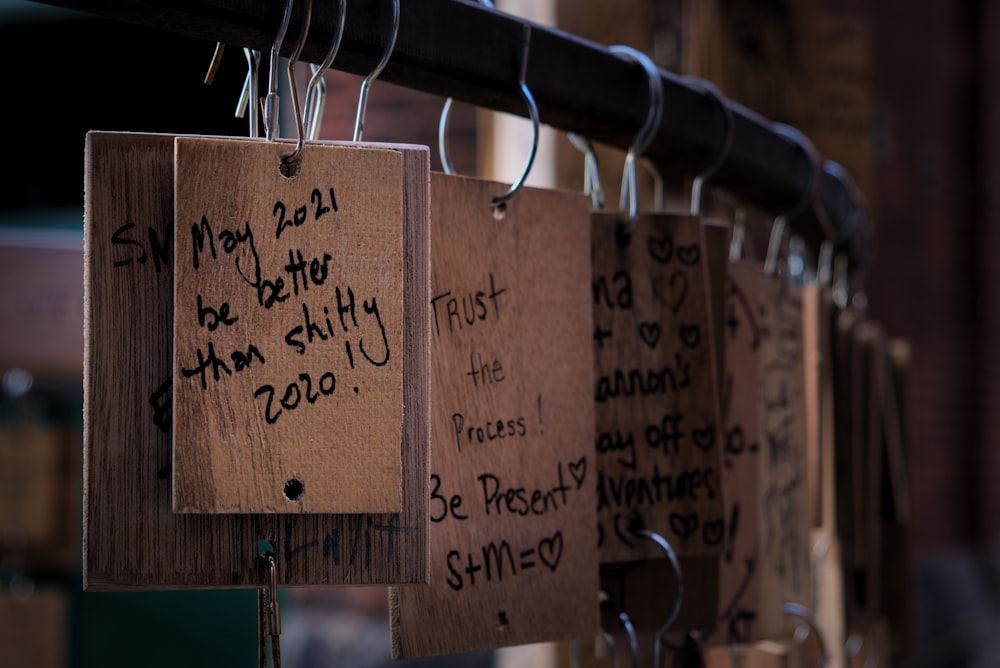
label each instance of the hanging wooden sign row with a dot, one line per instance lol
(272, 354)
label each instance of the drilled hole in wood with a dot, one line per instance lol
(499, 211)
(294, 490)
(290, 168)
(502, 621)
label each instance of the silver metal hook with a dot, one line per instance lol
(498, 202)
(633, 641)
(271, 101)
(797, 138)
(293, 60)
(316, 90)
(629, 190)
(249, 91)
(359, 120)
(739, 234)
(591, 170)
(675, 565)
(446, 118)
(803, 613)
(727, 143)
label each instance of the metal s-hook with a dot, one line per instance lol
(675, 565)
(359, 120)
(292, 158)
(446, 165)
(727, 142)
(797, 138)
(249, 92)
(629, 190)
(633, 641)
(498, 203)
(803, 613)
(271, 101)
(591, 170)
(316, 90)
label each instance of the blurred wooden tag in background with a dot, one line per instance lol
(133, 539)
(514, 543)
(32, 459)
(783, 493)
(35, 628)
(289, 308)
(739, 587)
(658, 427)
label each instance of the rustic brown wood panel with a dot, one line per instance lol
(513, 533)
(658, 425)
(289, 294)
(132, 539)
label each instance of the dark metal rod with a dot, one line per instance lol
(461, 49)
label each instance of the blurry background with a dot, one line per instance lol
(906, 95)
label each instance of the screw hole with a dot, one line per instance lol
(502, 620)
(290, 168)
(294, 490)
(499, 211)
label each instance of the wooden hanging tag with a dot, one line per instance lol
(288, 326)
(132, 538)
(658, 427)
(739, 590)
(783, 493)
(32, 459)
(513, 544)
(812, 387)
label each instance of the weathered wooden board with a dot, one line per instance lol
(132, 537)
(658, 427)
(288, 328)
(739, 587)
(783, 493)
(646, 589)
(513, 533)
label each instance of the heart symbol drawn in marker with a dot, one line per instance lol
(671, 293)
(683, 525)
(691, 335)
(712, 532)
(660, 248)
(578, 470)
(649, 332)
(550, 550)
(689, 255)
(704, 438)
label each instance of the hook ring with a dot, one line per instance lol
(698, 184)
(629, 191)
(499, 201)
(359, 120)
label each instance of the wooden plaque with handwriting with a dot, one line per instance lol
(133, 539)
(783, 494)
(658, 429)
(513, 522)
(288, 326)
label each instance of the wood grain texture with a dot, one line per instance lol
(658, 424)
(288, 328)
(35, 631)
(783, 493)
(513, 538)
(739, 587)
(132, 538)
